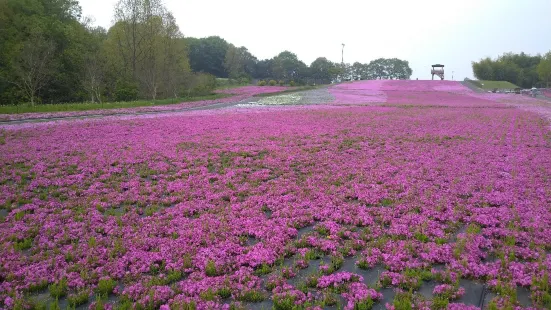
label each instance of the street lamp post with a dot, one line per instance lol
(342, 60)
(452, 75)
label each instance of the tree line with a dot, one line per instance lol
(216, 56)
(51, 54)
(524, 70)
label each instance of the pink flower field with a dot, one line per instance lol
(396, 194)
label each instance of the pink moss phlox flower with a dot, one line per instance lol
(358, 292)
(338, 278)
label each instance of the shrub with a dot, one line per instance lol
(286, 302)
(365, 304)
(208, 295)
(98, 304)
(106, 286)
(224, 292)
(440, 302)
(262, 83)
(273, 83)
(336, 262)
(322, 230)
(403, 301)
(126, 91)
(92, 242)
(287, 272)
(201, 84)
(173, 276)
(312, 281)
(78, 299)
(210, 269)
(363, 264)
(58, 289)
(292, 83)
(19, 215)
(37, 287)
(263, 269)
(244, 80)
(55, 305)
(188, 261)
(281, 83)
(24, 244)
(313, 254)
(125, 304)
(251, 296)
(421, 237)
(473, 229)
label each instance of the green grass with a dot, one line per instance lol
(490, 85)
(87, 106)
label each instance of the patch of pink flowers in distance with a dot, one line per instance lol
(420, 93)
(216, 210)
(362, 92)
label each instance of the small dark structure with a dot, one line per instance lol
(438, 70)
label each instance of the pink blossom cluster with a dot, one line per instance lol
(289, 291)
(423, 93)
(363, 92)
(358, 292)
(338, 279)
(448, 290)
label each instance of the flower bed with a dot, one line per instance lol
(206, 209)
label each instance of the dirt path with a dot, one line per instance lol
(52, 119)
(307, 97)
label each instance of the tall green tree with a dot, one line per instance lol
(208, 55)
(34, 66)
(239, 63)
(147, 50)
(322, 70)
(53, 25)
(263, 69)
(388, 69)
(93, 75)
(483, 70)
(286, 66)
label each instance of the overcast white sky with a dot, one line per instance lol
(423, 32)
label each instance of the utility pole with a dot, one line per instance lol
(452, 75)
(342, 61)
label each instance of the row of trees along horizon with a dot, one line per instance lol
(50, 54)
(523, 70)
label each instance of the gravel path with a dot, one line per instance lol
(50, 119)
